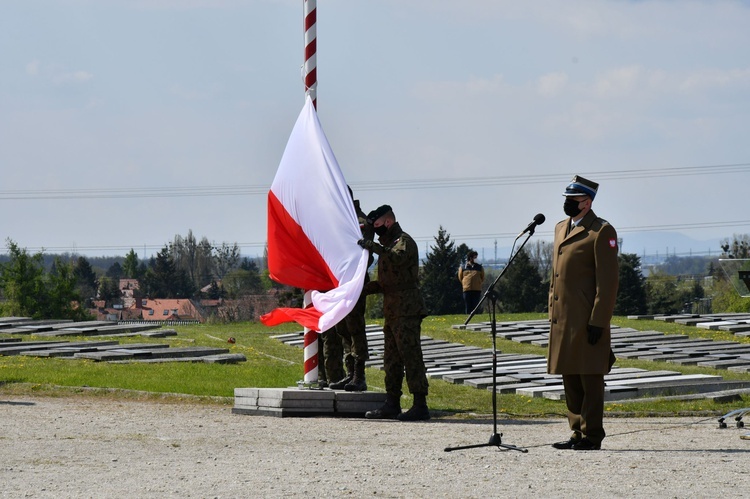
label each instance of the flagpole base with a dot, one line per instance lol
(309, 385)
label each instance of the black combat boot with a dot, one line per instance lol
(419, 411)
(342, 383)
(390, 410)
(358, 384)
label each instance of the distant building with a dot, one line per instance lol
(127, 288)
(205, 289)
(168, 310)
(115, 314)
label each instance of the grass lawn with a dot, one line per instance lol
(271, 363)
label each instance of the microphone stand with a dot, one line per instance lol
(496, 438)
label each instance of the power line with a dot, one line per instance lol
(375, 185)
(504, 236)
(367, 185)
(550, 178)
(620, 230)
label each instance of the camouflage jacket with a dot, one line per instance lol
(398, 274)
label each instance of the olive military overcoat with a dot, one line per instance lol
(583, 290)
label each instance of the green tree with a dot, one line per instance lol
(540, 254)
(62, 299)
(130, 267)
(661, 292)
(243, 281)
(631, 296)
(738, 247)
(115, 271)
(109, 290)
(215, 291)
(521, 289)
(205, 263)
(724, 296)
(671, 294)
(87, 282)
(194, 257)
(440, 287)
(226, 259)
(463, 252)
(22, 282)
(184, 254)
(164, 280)
(685, 265)
(726, 299)
(30, 292)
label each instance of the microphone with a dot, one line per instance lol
(538, 220)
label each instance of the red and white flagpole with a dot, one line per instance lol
(310, 67)
(310, 343)
(311, 86)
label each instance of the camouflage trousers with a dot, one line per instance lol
(333, 355)
(352, 332)
(346, 339)
(403, 354)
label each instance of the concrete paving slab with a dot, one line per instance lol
(304, 402)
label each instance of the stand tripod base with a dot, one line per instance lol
(495, 441)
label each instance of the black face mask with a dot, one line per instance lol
(570, 207)
(380, 231)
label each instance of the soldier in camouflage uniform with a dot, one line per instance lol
(351, 330)
(404, 309)
(330, 366)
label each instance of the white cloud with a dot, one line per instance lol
(620, 82)
(72, 77)
(483, 86)
(550, 85)
(57, 73)
(32, 68)
(584, 120)
(191, 94)
(715, 78)
(471, 87)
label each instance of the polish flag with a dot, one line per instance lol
(313, 230)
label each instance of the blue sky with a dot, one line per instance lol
(471, 115)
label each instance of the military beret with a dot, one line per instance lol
(379, 212)
(580, 186)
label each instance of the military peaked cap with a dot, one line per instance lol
(580, 186)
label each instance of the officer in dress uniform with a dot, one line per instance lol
(583, 289)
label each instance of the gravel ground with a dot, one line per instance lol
(85, 447)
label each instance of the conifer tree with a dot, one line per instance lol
(440, 286)
(521, 288)
(631, 295)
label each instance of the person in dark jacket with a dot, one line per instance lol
(582, 294)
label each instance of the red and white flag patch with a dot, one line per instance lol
(613, 243)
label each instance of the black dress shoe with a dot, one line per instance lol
(586, 444)
(567, 444)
